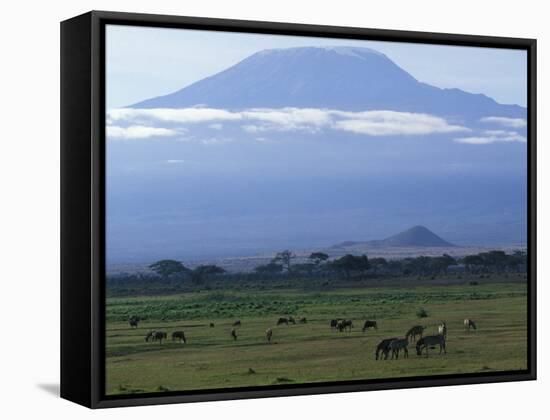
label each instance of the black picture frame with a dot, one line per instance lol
(83, 209)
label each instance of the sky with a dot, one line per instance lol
(205, 182)
(146, 62)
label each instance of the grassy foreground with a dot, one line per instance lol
(311, 352)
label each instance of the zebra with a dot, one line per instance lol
(431, 341)
(268, 334)
(179, 335)
(133, 321)
(158, 335)
(282, 321)
(468, 323)
(384, 347)
(344, 324)
(415, 331)
(369, 324)
(400, 344)
(442, 329)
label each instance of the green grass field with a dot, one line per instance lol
(312, 352)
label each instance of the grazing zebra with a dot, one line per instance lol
(345, 324)
(384, 347)
(133, 321)
(211, 325)
(268, 334)
(431, 341)
(158, 336)
(333, 324)
(415, 331)
(303, 321)
(282, 321)
(234, 334)
(397, 345)
(149, 335)
(179, 335)
(442, 329)
(468, 323)
(369, 324)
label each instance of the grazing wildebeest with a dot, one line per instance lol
(234, 334)
(344, 324)
(291, 320)
(431, 341)
(158, 336)
(303, 321)
(384, 347)
(415, 331)
(333, 323)
(179, 335)
(369, 324)
(268, 334)
(282, 321)
(442, 329)
(237, 323)
(468, 323)
(133, 321)
(397, 345)
(211, 325)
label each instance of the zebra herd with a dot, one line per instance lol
(387, 346)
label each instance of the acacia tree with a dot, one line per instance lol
(351, 263)
(169, 268)
(318, 258)
(285, 258)
(202, 272)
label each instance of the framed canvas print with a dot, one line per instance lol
(254, 209)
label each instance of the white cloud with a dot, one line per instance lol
(256, 120)
(493, 136)
(216, 126)
(174, 161)
(385, 123)
(507, 122)
(138, 132)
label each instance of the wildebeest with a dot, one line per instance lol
(234, 334)
(133, 321)
(384, 347)
(158, 336)
(149, 335)
(303, 321)
(369, 324)
(415, 331)
(400, 344)
(431, 341)
(344, 324)
(282, 321)
(211, 325)
(268, 334)
(333, 323)
(179, 335)
(237, 323)
(291, 320)
(442, 329)
(468, 323)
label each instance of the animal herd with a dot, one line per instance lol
(389, 346)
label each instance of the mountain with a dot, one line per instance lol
(417, 236)
(343, 78)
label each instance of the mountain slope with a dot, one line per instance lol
(417, 236)
(344, 78)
